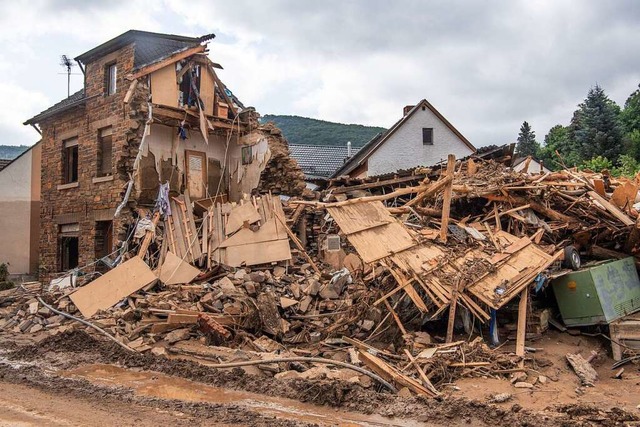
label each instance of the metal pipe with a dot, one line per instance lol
(89, 324)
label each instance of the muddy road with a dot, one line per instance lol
(77, 379)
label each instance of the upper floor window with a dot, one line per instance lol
(70, 161)
(111, 78)
(427, 136)
(105, 151)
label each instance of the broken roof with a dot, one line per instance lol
(320, 161)
(149, 47)
(379, 139)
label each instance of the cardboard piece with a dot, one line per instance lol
(175, 271)
(112, 287)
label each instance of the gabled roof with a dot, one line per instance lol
(149, 47)
(4, 163)
(74, 100)
(371, 146)
(9, 161)
(320, 161)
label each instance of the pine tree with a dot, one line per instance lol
(595, 128)
(527, 144)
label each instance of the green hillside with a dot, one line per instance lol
(303, 130)
(12, 151)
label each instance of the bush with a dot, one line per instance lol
(597, 164)
(629, 166)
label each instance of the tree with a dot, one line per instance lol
(556, 140)
(630, 116)
(527, 144)
(595, 128)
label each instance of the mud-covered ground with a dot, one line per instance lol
(51, 368)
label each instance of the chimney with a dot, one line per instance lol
(406, 110)
(348, 149)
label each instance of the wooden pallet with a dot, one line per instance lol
(625, 332)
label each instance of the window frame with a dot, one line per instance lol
(70, 145)
(111, 81)
(103, 134)
(427, 132)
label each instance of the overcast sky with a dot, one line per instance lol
(485, 65)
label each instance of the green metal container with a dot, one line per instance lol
(599, 294)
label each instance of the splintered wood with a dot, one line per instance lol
(248, 233)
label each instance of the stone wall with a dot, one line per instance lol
(282, 174)
(93, 198)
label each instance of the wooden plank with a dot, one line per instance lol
(409, 290)
(425, 380)
(184, 319)
(110, 288)
(387, 372)
(298, 244)
(612, 209)
(223, 89)
(175, 271)
(191, 223)
(164, 89)
(163, 63)
(239, 214)
(446, 204)
(624, 195)
(363, 216)
(380, 242)
(452, 310)
(144, 246)
(267, 233)
(130, 91)
(598, 184)
(383, 183)
(395, 317)
(257, 253)
(522, 321)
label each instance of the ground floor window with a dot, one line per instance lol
(68, 246)
(104, 240)
(68, 253)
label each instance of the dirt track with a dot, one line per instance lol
(58, 379)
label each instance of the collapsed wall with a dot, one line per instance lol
(282, 175)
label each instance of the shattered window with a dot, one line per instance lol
(70, 161)
(105, 152)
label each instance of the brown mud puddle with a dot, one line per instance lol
(154, 384)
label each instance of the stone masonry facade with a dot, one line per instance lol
(94, 198)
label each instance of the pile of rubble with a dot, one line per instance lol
(377, 275)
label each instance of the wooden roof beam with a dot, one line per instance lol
(167, 61)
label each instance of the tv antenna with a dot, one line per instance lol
(66, 62)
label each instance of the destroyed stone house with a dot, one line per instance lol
(152, 111)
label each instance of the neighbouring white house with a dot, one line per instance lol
(532, 167)
(20, 212)
(422, 137)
